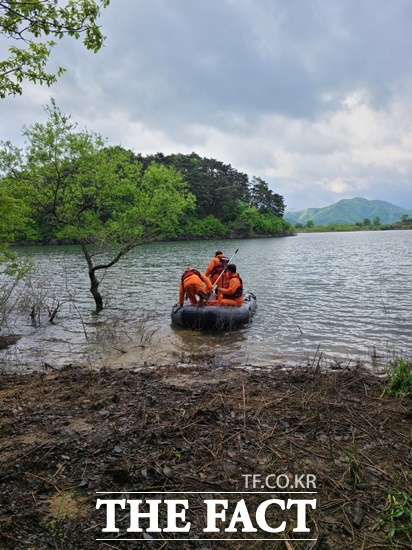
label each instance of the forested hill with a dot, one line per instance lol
(349, 211)
(227, 201)
(88, 192)
(67, 185)
(218, 187)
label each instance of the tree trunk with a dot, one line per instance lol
(94, 282)
(94, 289)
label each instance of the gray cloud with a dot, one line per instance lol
(312, 96)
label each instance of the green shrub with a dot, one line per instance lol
(399, 374)
(400, 513)
(208, 227)
(213, 227)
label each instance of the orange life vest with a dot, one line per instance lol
(189, 273)
(239, 291)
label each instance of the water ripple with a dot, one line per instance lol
(345, 295)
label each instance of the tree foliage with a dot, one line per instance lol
(12, 213)
(77, 188)
(27, 23)
(216, 185)
(264, 199)
(221, 191)
(12, 216)
(223, 200)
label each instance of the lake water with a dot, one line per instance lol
(340, 296)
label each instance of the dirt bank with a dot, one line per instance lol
(65, 435)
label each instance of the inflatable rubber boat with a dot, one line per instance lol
(212, 316)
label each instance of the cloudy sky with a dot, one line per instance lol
(313, 96)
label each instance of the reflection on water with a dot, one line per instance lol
(345, 295)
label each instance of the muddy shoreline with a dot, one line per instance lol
(66, 435)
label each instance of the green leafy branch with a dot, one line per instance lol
(28, 22)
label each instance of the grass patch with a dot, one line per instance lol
(399, 374)
(400, 513)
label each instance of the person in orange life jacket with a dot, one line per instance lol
(233, 294)
(216, 267)
(193, 284)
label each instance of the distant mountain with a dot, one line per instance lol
(349, 211)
